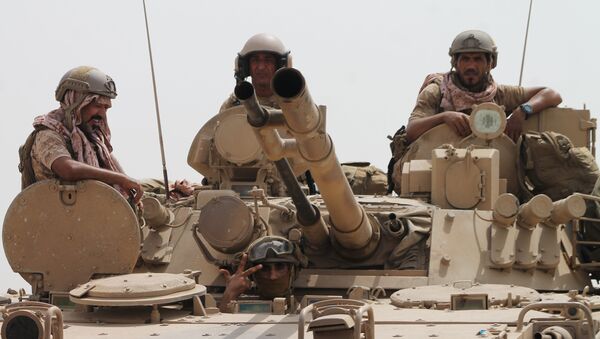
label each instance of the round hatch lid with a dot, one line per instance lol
(439, 296)
(70, 232)
(235, 140)
(136, 289)
(226, 223)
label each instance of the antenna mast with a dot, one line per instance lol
(525, 43)
(160, 136)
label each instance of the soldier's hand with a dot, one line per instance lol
(183, 186)
(238, 283)
(132, 186)
(514, 124)
(459, 122)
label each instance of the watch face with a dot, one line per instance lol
(526, 108)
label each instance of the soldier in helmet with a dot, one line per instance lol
(72, 142)
(262, 55)
(274, 265)
(447, 98)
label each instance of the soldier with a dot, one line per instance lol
(274, 263)
(447, 98)
(72, 142)
(262, 55)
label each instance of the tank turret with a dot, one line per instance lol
(228, 164)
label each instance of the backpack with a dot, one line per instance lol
(549, 164)
(25, 165)
(365, 178)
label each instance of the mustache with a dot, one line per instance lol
(261, 73)
(471, 72)
(94, 131)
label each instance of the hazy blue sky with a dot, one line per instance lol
(364, 60)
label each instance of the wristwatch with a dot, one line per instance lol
(527, 109)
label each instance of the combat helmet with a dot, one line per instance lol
(473, 41)
(262, 42)
(86, 79)
(272, 249)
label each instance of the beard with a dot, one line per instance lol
(94, 132)
(479, 86)
(270, 289)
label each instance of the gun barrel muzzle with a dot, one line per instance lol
(352, 229)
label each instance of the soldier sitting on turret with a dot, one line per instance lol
(274, 267)
(448, 97)
(73, 142)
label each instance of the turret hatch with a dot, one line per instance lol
(464, 295)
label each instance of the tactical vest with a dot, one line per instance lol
(25, 164)
(399, 146)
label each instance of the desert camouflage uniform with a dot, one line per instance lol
(232, 101)
(48, 146)
(428, 101)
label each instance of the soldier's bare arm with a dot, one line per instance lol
(539, 98)
(72, 170)
(237, 283)
(459, 122)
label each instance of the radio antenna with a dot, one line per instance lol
(160, 136)
(525, 43)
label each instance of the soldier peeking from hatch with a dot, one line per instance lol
(262, 55)
(274, 263)
(72, 142)
(225, 151)
(448, 97)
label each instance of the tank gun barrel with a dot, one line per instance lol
(307, 214)
(352, 230)
(257, 116)
(264, 123)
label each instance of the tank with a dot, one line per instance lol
(456, 255)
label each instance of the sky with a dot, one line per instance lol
(364, 60)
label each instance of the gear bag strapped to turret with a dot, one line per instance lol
(550, 164)
(365, 178)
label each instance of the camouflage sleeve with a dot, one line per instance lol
(510, 97)
(229, 102)
(428, 102)
(49, 146)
